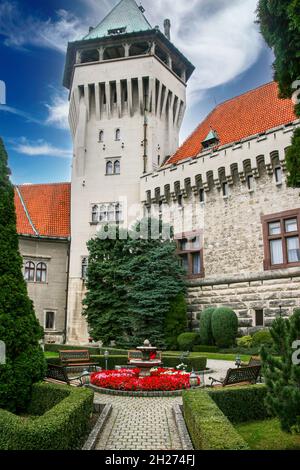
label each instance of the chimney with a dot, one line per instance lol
(167, 27)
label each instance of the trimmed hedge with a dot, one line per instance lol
(62, 427)
(208, 426)
(206, 336)
(202, 348)
(186, 341)
(196, 363)
(242, 404)
(93, 350)
(224, 324)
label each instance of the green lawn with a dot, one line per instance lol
(209, 355)
(267, 435)
(50, 354)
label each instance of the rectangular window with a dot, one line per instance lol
(281, 239)
(259, 318)
(278, 175)
(201, 195)
(191, 254)
(107, 212)
(225, 189)
(49, 320)
(250, 182)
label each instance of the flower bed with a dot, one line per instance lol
(129, 380)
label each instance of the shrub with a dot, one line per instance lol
(203, 348)
(186, 341)
(175, 322)
(244, 341)
(19, 327)
(242, 404)
(224, 325)
(262, 337)
(208, 426)
(206, 336)
(62, 426)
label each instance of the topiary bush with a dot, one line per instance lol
(245, 341)
(206, 336)
(224, 324)
(175, 322)
(19, 327)
(262, 337)
(186, 341)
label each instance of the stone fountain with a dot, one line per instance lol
(145, 363)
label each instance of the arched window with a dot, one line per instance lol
(95, 216)
(41, 272)
(109, 168)
(118, 134)
(101, 136)
(117, 167)
(29, 271)
(84, 266)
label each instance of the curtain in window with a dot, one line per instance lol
(49, 323)
(293, 250)
(29, 271)
(196, 263)
(276, 252)
(41, 272)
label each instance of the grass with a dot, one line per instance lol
(209, 355)
(267, 435)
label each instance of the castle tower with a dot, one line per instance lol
(127, 86)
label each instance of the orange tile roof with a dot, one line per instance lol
(45, 208)
(252, 113)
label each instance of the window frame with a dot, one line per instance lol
(281, 217)
(44, 269)
(189, 252)
(29, 262)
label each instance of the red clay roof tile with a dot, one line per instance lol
(252, 113)
(48, 207)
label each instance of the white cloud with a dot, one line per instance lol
(58, 111)
(18, 112)
(40, 148)
(21, 31)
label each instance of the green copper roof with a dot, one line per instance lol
(125, 17)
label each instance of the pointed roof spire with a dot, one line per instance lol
(126, 17)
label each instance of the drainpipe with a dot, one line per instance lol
(67, 293)
(145, 141)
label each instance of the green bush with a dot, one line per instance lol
(186, 341)
(245, 341)
(19, 326)
(203, 348)
(262, 337)
(224, 325)
(62, 426)
(206, 336)
(208, 426)
(197, 363)
(175, 322)
(242, 404)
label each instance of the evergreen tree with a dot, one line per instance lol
(282, 373)
(19, 328)
(280, 26)
(132, 282)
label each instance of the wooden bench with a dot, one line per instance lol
(76, 358)
(135, 354)
(58, 374)
(253, 361)
(243, 375)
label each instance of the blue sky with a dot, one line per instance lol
(219, 37)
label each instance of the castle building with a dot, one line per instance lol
(224, 190)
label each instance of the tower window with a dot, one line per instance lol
(109, 168)
(118, 134)
(250, 182)
(117, 167)
(108, 212)
(191, 254)
(201, 195)
(278, 175)
(101, 136)
(84, 266)
(225, 189)
(95, 215)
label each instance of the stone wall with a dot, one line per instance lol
(245, 294)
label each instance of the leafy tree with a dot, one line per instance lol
(19, 328)
(132, 282)
(282, 373)
(280, 26)
(175, 321)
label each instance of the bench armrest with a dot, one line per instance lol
(214, 380)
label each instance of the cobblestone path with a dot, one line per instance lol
(139, 423)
